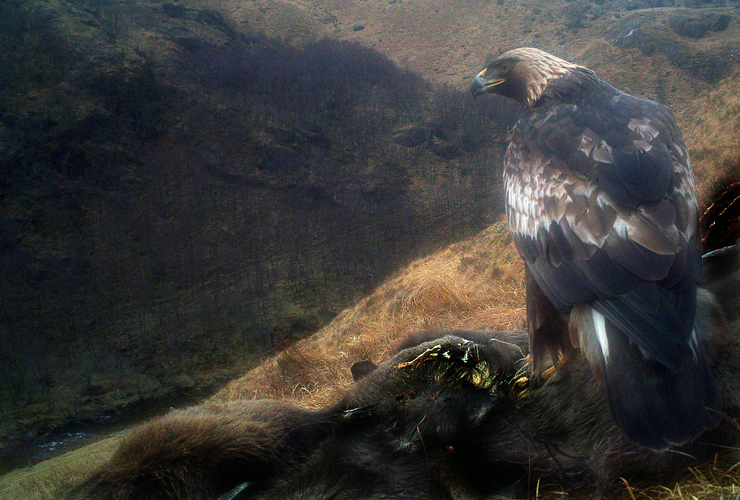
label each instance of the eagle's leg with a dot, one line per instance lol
(549, 340)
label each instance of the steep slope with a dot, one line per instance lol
(627, 43)
(179, 198)
(472, 284)
(476, 283)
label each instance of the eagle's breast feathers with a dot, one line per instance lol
(630, 195)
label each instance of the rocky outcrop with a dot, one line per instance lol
(636, 32)
(688, 26)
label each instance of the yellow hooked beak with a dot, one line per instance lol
(481, 84)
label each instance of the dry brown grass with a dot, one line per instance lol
(473, 284)
(477, 283)
(711, 126)
(47, 480)
(717, 480)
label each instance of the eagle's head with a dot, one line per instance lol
(521, 74)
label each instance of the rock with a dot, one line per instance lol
(318, 139)
(122, 394)
(283, 136)
(358, 27)
(636, 38)
(172, 10)
(574, 17)
(688, 26)
(191, 44)
(704, 66)
(146, 386)
(411, 136)
(182, 382)
(445, 150)
(642, 4)
(717, 21)
(629, 34)
(46, 14)
(98, 385)
(208, 17)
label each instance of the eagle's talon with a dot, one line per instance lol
(548, 373)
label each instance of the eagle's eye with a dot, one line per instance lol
(503, 67)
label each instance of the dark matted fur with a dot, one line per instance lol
(201, 452)
(452, 415)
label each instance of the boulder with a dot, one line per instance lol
(717, 21)
(690, 27)
(411, 136)
(629, 34)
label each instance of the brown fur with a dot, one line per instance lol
(206, 450)
(452, 415)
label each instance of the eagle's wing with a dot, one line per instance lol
(601, 206)
(602, 209)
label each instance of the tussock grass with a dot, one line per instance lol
(47, 480)
(711, 127)
(477, 283)
(717, 480)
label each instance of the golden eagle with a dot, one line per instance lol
(601, 206)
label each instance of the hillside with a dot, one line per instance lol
(177, 296)
(175, 206)
(631, 44)
(472, 284)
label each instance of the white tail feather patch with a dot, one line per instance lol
(694, 344)
(600, 328)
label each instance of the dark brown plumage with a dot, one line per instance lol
(601, 205)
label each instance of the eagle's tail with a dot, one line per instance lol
(654, 404)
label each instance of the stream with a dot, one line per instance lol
(78, 433)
